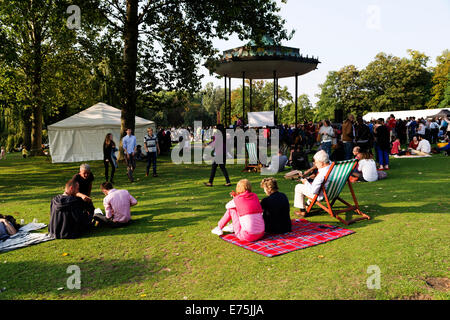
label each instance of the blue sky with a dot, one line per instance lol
(348, 32)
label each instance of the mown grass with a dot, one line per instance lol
(170, 253)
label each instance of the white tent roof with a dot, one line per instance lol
(80, 137)
(100, 115)
(402, 114)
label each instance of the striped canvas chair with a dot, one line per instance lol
(338, 175)
(251, 159)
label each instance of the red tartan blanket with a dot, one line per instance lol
(304, 234)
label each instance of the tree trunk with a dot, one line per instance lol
(26, 122)
(36, 117)
(131, 35)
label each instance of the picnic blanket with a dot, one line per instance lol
(24, 238)
(304, 234)
(411, 156)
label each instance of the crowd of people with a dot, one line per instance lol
(371, 143)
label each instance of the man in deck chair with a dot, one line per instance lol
(306, 188)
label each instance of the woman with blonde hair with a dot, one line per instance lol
(245, 212)
(275, 208)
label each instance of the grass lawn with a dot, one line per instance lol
(170, 253)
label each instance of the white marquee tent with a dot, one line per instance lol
(402, 114)
(80, 137)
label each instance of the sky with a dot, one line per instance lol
(353, 32)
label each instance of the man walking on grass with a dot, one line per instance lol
(129, 150)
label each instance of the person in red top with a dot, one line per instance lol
(414, 143)
(245, 212)
(391, 125)
(396, 146)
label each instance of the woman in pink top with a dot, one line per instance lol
(245, 212)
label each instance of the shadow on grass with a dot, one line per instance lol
(38, 278)
(375, 212)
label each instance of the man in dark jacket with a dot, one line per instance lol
(70, 217)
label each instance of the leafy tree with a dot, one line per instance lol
(37, 37)
(393, 83)
(305, 111)
(165, 41)
(440, 81)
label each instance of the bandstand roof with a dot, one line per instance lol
(260, 62)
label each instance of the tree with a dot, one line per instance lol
(35, 32)
(165, 41)
(393, 83)
(440, 80)
(305, 111)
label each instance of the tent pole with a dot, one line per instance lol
(296, 98)
(229, 100)
(225, 105)
(243, 97)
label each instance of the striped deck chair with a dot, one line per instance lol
(338, 175)
(251, 159)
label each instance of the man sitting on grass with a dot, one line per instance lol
(69, 216)
(117, 205)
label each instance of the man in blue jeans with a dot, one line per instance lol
(151, 146)
(129, 149)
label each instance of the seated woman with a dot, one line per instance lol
(245, 212)
(310, 189)
(414, 143)
(366, 170)
(275, 208)
(8, 227)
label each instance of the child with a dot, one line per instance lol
(396, 146)
(245, 212)
(3, 153)
(366, 169)
(24, 152)
(356, 151)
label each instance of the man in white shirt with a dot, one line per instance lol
(322, 162)
(424, 147)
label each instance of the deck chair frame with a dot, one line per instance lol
(327, 205)
(255, 167)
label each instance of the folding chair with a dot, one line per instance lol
(338, 175)
(251, 159)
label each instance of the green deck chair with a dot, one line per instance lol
(251, 159)
(338, 175)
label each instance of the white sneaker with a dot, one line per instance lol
(217, 231)
(228, 228)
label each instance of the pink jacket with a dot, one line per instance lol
(247, 203)
(249, 213)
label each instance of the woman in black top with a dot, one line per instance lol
(382, 145)
(275, 208)
(108, 148)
